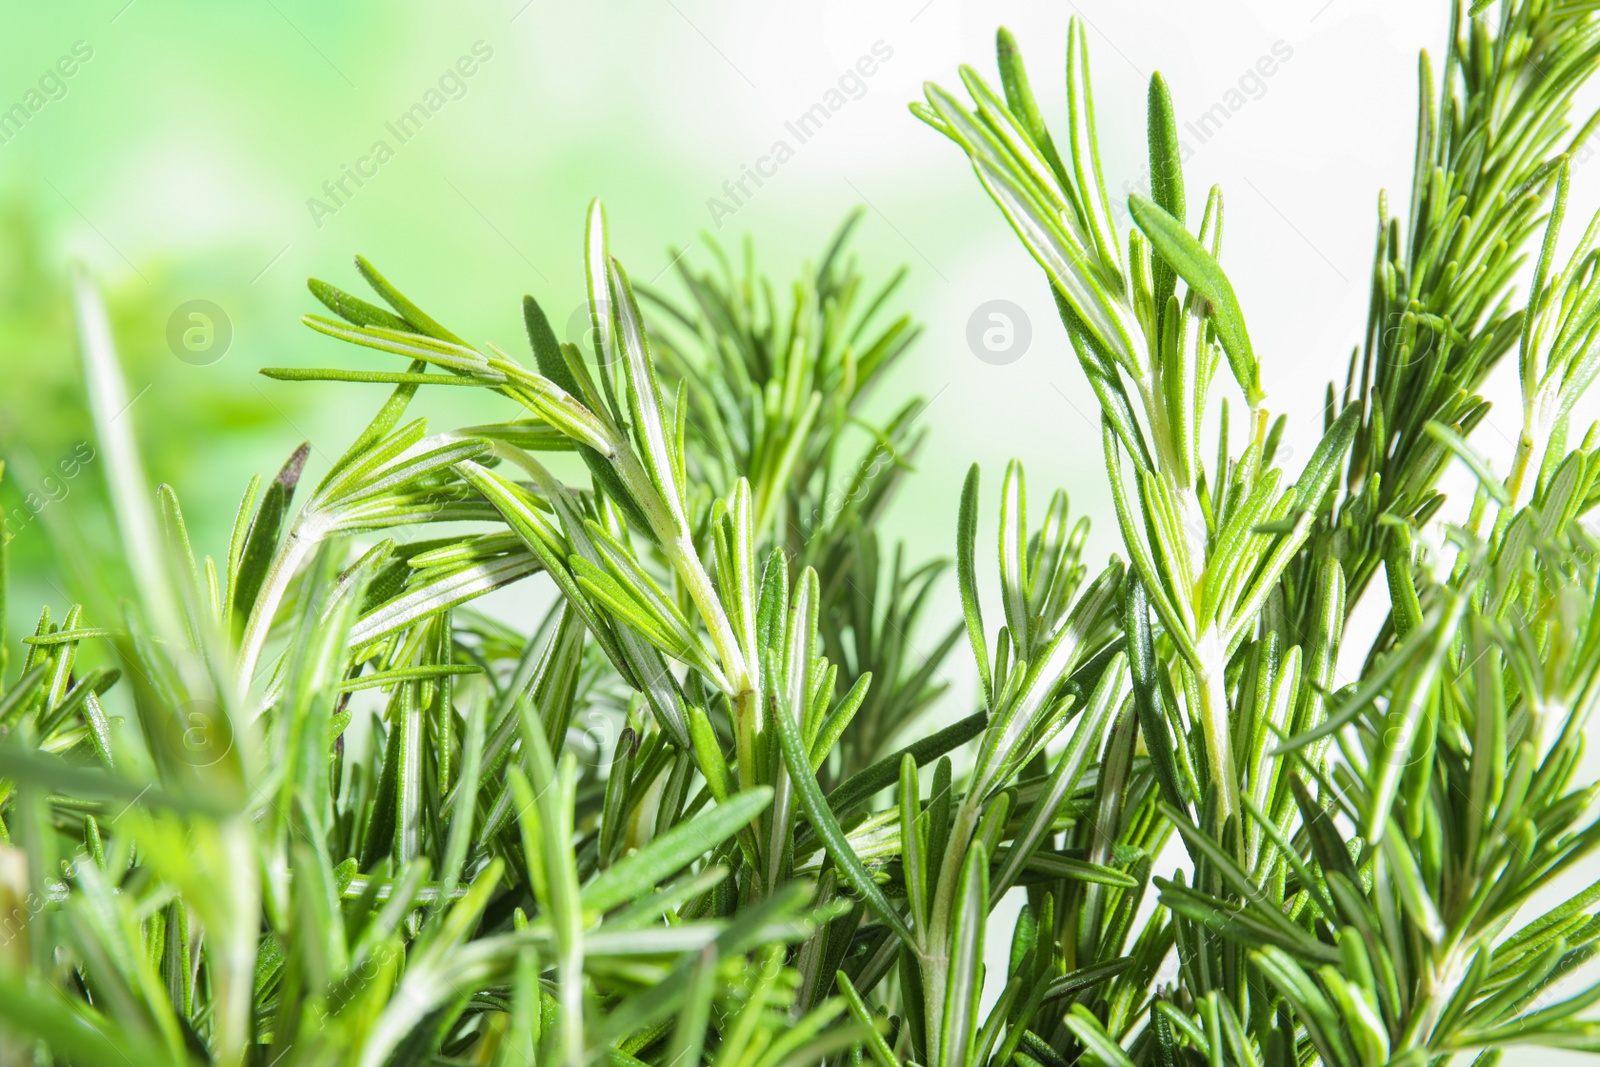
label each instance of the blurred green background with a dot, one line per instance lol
(190, 156)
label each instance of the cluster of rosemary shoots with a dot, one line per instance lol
(304, 802)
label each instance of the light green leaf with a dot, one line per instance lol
(1196, 266)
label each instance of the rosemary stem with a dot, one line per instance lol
(1214, 723)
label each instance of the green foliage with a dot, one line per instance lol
(305, 802)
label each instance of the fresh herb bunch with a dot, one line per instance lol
(1361, 906)
(306, 803)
